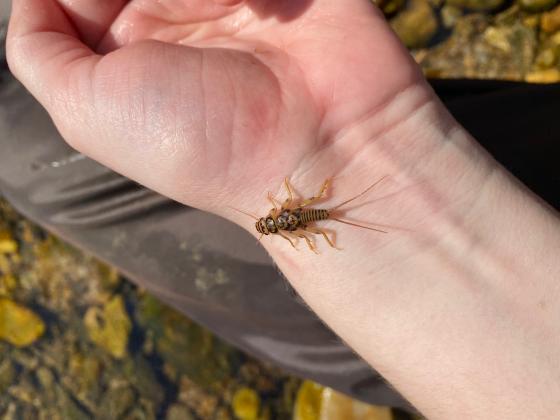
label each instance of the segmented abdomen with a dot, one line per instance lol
(312, 215)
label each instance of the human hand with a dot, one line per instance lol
(213, 102)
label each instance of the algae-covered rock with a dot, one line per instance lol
(416, 25)
(550, 21)
(178, 412)
(390, 7)
(67, 408)
(199, 400)
(308, 401)
(109, 327)
(479, 5)
(189, 348)
(543, 76)
(537, 5)
(7, 374)
(7, 243)
(19, 325)
(449, 15)
(118, 399)
(478, 48)
(546, 58)
(246, 404)
(335, 406)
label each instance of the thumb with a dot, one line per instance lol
(45, 53)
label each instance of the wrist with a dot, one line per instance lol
(453, 271)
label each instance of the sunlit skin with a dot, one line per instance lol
(196, 89)
(214, 103)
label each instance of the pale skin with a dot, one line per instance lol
(213, 103)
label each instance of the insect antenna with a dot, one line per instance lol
(357, 225)
(359, 195)
(244, 212)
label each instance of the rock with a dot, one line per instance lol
(478, 49)
(140, 374)
(110, 327)
(46, 379)
(547, 58)
(185, 346)
(479, 5)
(7, 375)
(449, 15)
(335, 405)
(308, 401)
(416, 25)
(246, 404)
(537, 5)
(68, 409)
(8, 283)
(19, 325)
(390, 7)
(200, 401)
(550, 21)
(84, 376)
(7, 244)
(543, 76)
(178, 412)
(118, 399)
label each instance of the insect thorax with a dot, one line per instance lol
(289, 219)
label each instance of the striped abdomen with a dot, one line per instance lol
(313, 215)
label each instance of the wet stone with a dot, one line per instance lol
(550, 21)
(308, 401)
(544, 76)
(7, 243)
(477, 48)
(537, 5)
(109, 327)
(68, 408)
(19, 326)
(246, 404)
(116, 401)
(449, 15)
(479, 5)
(390, 7)
(547, 58)
(178, 412)
(7, 374)
(416, 25)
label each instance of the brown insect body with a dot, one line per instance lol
(289, 220)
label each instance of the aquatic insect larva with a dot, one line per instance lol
(293, 217)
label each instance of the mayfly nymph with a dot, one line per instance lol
(293, 217)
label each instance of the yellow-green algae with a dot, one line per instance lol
(19, 326)
(109, 326)
(246, 404)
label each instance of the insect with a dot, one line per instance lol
(295, 218)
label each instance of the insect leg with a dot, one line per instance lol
(320, 195)
(309, 243)
(290, 193)
(288, 239)
(322, 232)
(273, 200)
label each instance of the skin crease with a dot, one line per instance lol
(213, 103)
